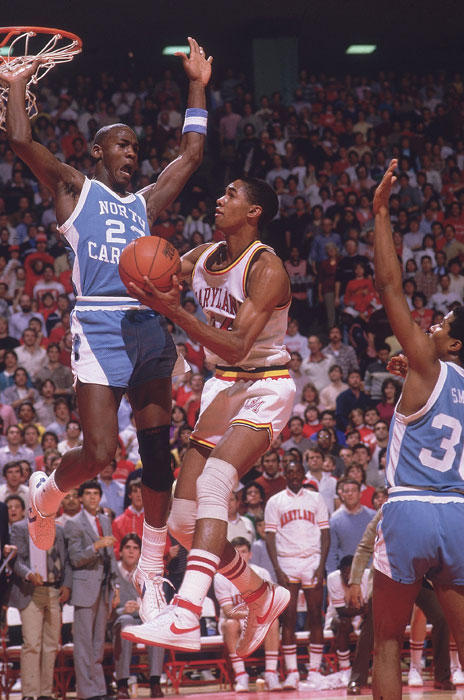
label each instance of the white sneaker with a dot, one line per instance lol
(315, 680)
(41, 527)
(457, 676)
(271, 679)
(264, 606)
(177, 626)
(292, 681)
(149, 586)
(241, 684)
(414, 678)
(345, 675)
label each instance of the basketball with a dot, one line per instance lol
(150, 256)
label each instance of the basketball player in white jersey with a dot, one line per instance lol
(244, 291)
(298, 540)
(419, 533)
(117, 345)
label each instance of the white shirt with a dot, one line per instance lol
(297, 519)
(337, 596)
(225, 591)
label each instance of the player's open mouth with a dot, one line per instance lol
(127, 169)
(218, 212)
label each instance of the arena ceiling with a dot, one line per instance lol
(408, 33)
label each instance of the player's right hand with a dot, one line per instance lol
(282, 578)
(398, 365)
(20, 74)
(354, 598)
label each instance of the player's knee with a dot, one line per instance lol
(181, 521)
(155, 454)
(214, 486)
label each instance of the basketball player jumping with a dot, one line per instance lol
(117, 345)
(419, 533)
(244, 291)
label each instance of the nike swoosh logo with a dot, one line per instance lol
(262, 620)
(176, 630)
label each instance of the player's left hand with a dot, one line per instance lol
(65, 594)
(318, 578)
(166, 303)
(196, 65)
(383, 191)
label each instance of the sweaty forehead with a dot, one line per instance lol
(121, 132)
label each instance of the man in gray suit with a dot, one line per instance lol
(42, 582)
(128, 614)
(90, 549)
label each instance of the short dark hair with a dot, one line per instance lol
(259, 192)
(11, 465)
(134, 484)
(345, 562)
(15, 497)
(130, 537)
(89, 484)
(240, 542)
(457, 329)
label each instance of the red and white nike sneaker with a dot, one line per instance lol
(149, 586)
(177, 626)
(264, 606)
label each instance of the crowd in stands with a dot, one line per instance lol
(323, 153)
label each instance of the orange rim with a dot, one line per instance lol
(16, 31)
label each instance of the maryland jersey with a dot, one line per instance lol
(425, 455)
(220, 294)
(100, 227)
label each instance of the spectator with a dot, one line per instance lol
(294, 368)
(316, 365)
(90, 547)
(45, 405)
(19, 321)
(19, 391)
(347, 524)
(31, 437)
(375, 475)
(297, 439)
(377, 372)
(426, 280)
(259, 549)
(308, 397)
(42, 583)
(127, 613)
(16, 509)
(62, 418)
(30, 355)
(272, 479)
(13, 482)
(131, 520)
(72, 437)
(353, 397)
(325, 484)
(112, 491)
(329, 393)
(53, 370)
(238, 525)
(443, 297)
(357, 472)
(390, 394)
(253, 501)
(70, 505)
(14, 451)
(343, 355)
(293, 340)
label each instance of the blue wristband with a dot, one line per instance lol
(196, 119)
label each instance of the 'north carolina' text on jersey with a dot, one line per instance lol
(100, 227)
(425, 456)
(220, 294)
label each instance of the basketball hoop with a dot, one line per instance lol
(22, 46)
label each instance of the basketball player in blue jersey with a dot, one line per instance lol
(422, 521)
(118, 345)
(244, 291)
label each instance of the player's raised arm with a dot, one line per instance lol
(388, 281)
(174, 177)
(64, 181)
(268, 288)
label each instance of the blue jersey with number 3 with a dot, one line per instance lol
(426, 449)
(100, 227)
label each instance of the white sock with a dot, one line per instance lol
(416, 649)
(201, 567)
(343, 659)
(315, 656)
(48, 496)
(271, 659)
(454, 656)
(238, 665)
(289, 652)
(241, 575)
(153, 544)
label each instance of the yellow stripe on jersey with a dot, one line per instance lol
(232, 375)
(232, 264)
(200, 441)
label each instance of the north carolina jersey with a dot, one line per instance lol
(426, 449)
(220, 294)
(297, 519)
(100, 227)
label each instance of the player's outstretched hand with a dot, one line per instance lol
(354, 598)
(166, 303)
(196, 65)
(398, 365)
(383, 191)
(19, 74)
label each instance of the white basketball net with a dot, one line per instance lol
(57, 49)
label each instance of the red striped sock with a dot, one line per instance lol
(201, 567)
